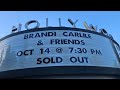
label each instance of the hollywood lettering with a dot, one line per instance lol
(70, 21)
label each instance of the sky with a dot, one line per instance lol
(109, 20)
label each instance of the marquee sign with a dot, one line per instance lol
(47, 48)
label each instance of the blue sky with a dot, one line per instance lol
(109, 20)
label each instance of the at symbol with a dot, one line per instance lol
(59, 50)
